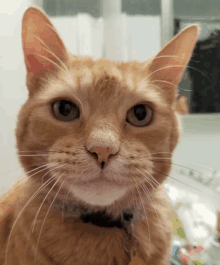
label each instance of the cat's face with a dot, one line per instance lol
(102, 127)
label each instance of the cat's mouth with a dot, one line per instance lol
(99, 178)
(98, 191)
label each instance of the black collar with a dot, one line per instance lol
(102, 219)
(99, 218)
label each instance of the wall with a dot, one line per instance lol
(12, 85)
(200, 141)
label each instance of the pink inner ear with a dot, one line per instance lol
(43, 48)
(35, 64)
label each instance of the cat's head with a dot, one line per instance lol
(100, 127)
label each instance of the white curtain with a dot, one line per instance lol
(12, 86)
(120, 37)
(82, 34)
(132, 37)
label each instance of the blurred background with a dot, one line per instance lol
(137, 30)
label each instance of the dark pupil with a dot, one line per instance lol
(65, 107)
(140, 112)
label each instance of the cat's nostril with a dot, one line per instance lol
(102, 165)
(95, 155)
(101, 154)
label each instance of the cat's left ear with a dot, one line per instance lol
(167, 68)
(42, 46)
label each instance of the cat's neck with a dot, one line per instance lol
(98, 217)
(43, 225)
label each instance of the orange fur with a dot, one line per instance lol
(32, 230)
(181, 105)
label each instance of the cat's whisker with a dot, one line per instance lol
(167, 82)
(133, 184)
(42, 155)
(202, 174)
(16, 156)
(152, 178)
(147, 179)
(54, 55)
(51, 61)
(134, 199)
(48, 212)
(42, 163)
(51, 178)
(163, 81)
(29, 154)
(184, 183)
(64, 199)
(171, 56)
(137, 187)
(60, 165)
(35, 219)
(187, 162)
(30, 151)
(148, 195)
(163, 57)
(23, 181)
(37, 151)
(159, 153)
(19, 153)
(22, 210)
(176, 66)
(46, 196)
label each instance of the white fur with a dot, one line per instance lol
(98, 192)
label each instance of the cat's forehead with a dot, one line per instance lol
(108, 80)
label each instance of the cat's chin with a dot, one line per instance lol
(98, 192)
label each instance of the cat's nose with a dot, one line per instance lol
(102, 154)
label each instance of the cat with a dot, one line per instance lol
(181, 105)
(95, 139)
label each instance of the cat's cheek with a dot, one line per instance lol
(42, 133)
(45, 132)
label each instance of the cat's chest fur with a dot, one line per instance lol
(65, 241)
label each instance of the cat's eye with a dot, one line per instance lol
(140, 115)
(65, 110)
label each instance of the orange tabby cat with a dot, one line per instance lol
(96, 140)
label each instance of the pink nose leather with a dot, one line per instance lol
(103, 153)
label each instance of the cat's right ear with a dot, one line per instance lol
(43, 49)
(181, 105)
(167, 68)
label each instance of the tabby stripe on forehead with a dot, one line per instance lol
(116, 73)
(67, 82)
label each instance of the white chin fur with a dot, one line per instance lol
(99, 192)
